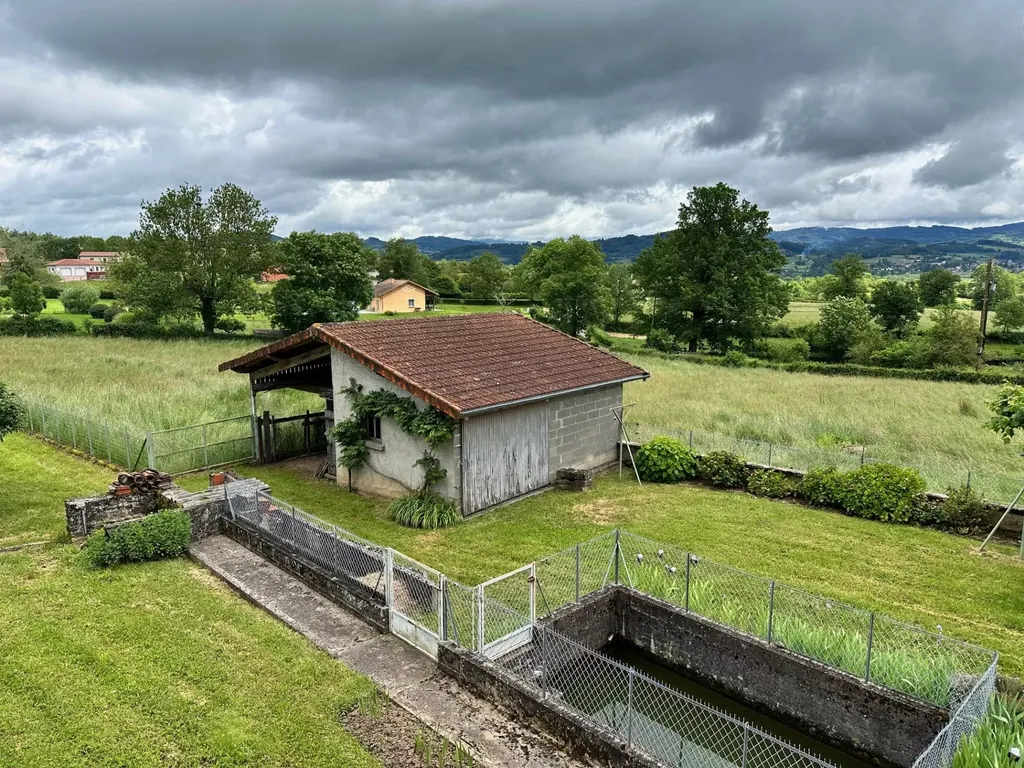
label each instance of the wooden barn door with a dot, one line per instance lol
(504, 455)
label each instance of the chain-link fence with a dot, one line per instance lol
(999, 488)
(923, 664)
(667, 725)
(962, 723)
(338, 552)
(107, 441)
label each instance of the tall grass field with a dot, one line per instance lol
(937, 427)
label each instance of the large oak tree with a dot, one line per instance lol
(191, 256)
(715, 278)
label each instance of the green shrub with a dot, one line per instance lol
(662, 341)
(795, 351)
(424, 510)
(111, 312)
(78, 297)
(124, 318)
(229, 325)
(51, 292)
(389, 313)
(164, 534)
(96, 311)
(106, 293)
(771, 484)
(723, 468)
(736, 359)
(822, 487)
(5, 304)
(882, 492)
(36, 325)
(963, 511)
(597, 336)
(665, 460)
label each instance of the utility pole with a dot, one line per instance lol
(984, 311)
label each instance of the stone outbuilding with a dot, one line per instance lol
(527, 400)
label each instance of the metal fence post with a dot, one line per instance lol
(687, 603)
(150, 450)
(618, 551)
(577, 573)
(691, 439)
(88, 431)
(43, 414)
(74, 433)
(480, 621)
(968, 479)
(31, 428)
(533, 593)
(206, 451)
(871, 640)
(106, 439)
(442, 624)
(746, 738)
(771, 608)
(862, 456)
(629, 711)
(389, 582)
(769, 454)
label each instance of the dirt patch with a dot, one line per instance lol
(305, 466)
(600, 511)
(399, 740)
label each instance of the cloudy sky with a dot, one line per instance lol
(520, 119)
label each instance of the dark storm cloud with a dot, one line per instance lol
(967, 162)
(453, 113)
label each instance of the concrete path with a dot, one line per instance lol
(408, 677)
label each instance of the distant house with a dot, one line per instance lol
(526, 399)
(394, 295)
(272, 277)
(73, 270)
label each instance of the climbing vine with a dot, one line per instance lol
(434, 427)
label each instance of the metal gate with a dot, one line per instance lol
(504, 455)
(509, 611)
(414, 594)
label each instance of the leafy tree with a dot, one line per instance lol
(623, 289)
(938, 287)
(569, 276)
(847, 278)
(11, 411)
(402, 259)
(1007, 411)
(896, 305)
(328, 280)
(193, 256)
(1004, 286)
(485, 276)
(843, 321)
(715, 278)
(1010, 313)
(22, 257)
(78, 297)
(953, 338)
(26, 295)
(448, 278)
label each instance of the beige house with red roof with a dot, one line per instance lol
(74, 270)
(527, 400)
(400, 296)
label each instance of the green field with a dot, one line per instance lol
(938, 427)
(156, 664)
(806, 312)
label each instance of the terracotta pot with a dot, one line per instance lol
(218, 478)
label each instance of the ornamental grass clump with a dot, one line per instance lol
(424, 510)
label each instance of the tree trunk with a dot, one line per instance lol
(693, 344)
(209, 314)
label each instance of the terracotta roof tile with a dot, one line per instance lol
(76, 263)
(463, 363)
(392, 284)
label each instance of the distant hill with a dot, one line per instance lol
(810, 250)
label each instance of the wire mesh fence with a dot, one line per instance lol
(107, 441)
(202, 446)
(923, 664)
(963, 722)
(994, 486)
(359, 562)
(669, 726)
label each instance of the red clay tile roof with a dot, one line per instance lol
(393, 284)
(95, 254)
(273, 277)
(461, 363)
(76, 263)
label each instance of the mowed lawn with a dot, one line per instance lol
(938, 427)
(157, 664)
(917, 575)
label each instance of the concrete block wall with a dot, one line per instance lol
(582, 430)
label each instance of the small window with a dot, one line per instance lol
(412, 302)
(373, 428)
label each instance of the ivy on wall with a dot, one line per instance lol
(434, 427)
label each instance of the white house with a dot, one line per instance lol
(72, 270)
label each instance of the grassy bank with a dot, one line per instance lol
(921, 576)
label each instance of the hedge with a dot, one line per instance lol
(36, 325)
